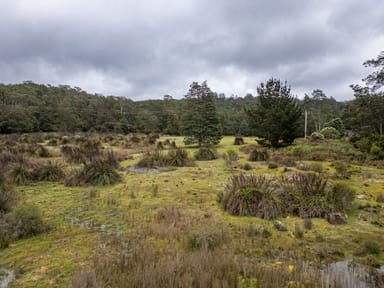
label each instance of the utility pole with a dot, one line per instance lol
(305, 124)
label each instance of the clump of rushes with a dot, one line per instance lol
(50, 171)
(251, 195)
(206, 154)
(238, 140)
(97, 172)
(175, 157)
(258, 155)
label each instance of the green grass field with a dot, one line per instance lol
(167, 212)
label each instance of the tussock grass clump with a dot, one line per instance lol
(178, 158)
(97, 172)
(49, 171)
(20, 174)
(258, 155)
(72, 153)
(238, 140)
(251, 195)
(206, 154)
(175, 157)
(7, 157)
(248, 148)
(152, 159)
(305, 195)
(230, 157)
(310, 195)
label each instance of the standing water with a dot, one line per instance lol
(6, 277)
(349, 274)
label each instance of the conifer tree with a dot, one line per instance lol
(200, 122)
(277, 114)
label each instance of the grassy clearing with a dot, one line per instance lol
(92, 227)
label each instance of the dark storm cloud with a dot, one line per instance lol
(145, 49)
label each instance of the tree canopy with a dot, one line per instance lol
(200, 121)
(277, 115)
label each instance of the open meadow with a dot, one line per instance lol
(108, 210)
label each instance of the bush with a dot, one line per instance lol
(317, 136)
(341, 169)
(341, 197)
(205, 154)
(251, 195)
(8, 196)
(97, 172)
(330, 133)
(27, 221)
(258, 155)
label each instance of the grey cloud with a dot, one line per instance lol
(144, 49)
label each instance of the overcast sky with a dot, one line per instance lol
(148, 48)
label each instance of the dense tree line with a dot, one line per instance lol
(31, 107)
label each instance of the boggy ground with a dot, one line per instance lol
(165, 228)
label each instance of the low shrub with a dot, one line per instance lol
(307, 224)
(330, 133)
(272, 165)
(299, 231)
(258, 155)
(247, 167)
(6, 231)
(341, 196)
(206, 154)
(27, 221)
(316, 136)
(8, 196)
(208, 238)
(342, 169)
(251, 195)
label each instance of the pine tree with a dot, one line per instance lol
(277, 114)
(200, 122)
